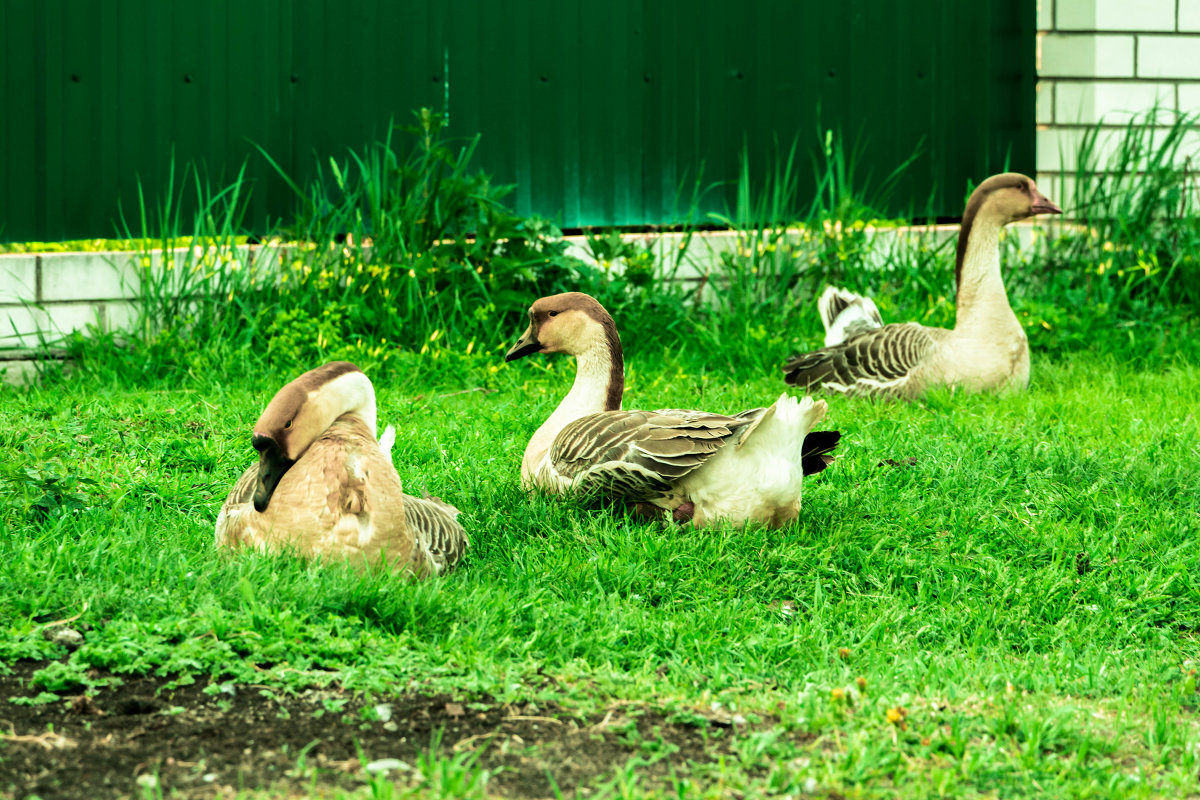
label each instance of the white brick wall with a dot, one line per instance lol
(1189, 16)
(1087, 55)
(1115, 15)
(1104, 61)
(1088, 102)
(18, 278)
(1175, 56)
(88, 276)
(47, 296)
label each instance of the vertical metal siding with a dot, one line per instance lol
(597, 112)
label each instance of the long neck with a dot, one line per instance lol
(981, 296)
(599, 384)
(349, 394)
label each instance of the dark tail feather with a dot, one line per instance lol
(817, 447)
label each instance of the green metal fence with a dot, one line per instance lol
(598, 112)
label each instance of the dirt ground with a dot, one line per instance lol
(203, 744)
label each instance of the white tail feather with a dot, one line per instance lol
(845, 314)
(759, 479)
(784, 430)
(386, 440)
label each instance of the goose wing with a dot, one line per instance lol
(877, 361)
(434, 525)
(639, 455)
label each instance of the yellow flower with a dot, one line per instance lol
(837, 694)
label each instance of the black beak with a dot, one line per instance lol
(272, 464)
(527, 344)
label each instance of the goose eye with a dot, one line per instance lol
(287, 424)
(554, 313)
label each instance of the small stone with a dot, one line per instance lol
(65, 637)
(385, 765)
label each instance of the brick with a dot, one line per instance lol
(1077, 55)
(1113, 103)
(1057, 148)
(70, 317)
(18, 278)
(1050, 143)
(19, 372)
(1058, 186)
(1168, 57)
(19, 326)
(1045, 15)
(88, 276)
(1044, 114)
(1116, 15)
(1189, 16)
(1189, 98)
(1188, 148)
(120, 315)
(24, 327)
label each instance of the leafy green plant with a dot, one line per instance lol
(50, 490)
(1136, 244)
(413, 245)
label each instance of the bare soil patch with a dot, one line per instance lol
(201, 744)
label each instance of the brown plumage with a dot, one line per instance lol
(689, 465)
(324, 488)
(986, 349)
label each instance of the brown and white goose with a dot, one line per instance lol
(694, 465)
(324, 487)
(986, 349)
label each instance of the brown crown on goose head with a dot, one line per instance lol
(572, 323)
(999, 200)
(299, 413)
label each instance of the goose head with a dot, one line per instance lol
(299, 413)
(571, 323)
(1007, 198)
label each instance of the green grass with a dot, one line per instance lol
(985, 595)
(1020, 577)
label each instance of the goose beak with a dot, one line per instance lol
(1041, 205)
(272, 464)
(527, 344)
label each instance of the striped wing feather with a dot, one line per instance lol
(639, 455)
(872, 362)
(435, 527)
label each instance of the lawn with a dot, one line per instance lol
(985, 596)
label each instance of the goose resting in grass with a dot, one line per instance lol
(697, 466)
(986, 349)
(324, 487)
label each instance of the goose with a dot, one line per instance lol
(985, 350)
(323, 486)
(671, 463)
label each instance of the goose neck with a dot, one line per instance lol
(599, 384)
(980, 287)
(350, 394)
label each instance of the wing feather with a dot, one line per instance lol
(874, 362)
(435, 528)
(639, 455)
